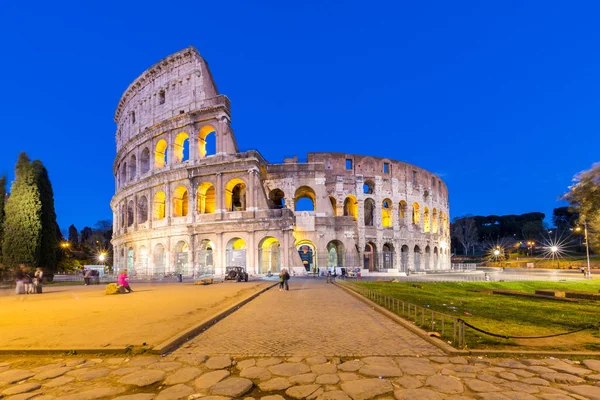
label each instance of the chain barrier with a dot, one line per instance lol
(597, 325)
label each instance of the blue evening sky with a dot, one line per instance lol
(499, 98)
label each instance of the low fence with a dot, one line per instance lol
(446, 327)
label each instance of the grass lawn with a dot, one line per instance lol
(507, 315)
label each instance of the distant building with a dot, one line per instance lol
(187, 200)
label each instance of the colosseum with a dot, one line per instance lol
(188, 201)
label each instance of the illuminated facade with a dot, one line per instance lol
(188, 201)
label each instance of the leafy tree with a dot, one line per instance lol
(564, 218)
(50, 231)
(584, 196)
(86, 236)
(464, 231)
(23, 218)
(2, 201)
(73, 236)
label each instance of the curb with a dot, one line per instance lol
(414, 329)
(177, 340)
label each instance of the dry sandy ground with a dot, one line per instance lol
(78, 317)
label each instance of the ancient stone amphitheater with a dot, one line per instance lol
(189, 201)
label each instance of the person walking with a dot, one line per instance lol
(123, 281)
(286, 278)
(20, 288)
(281, 279)
(38, 277)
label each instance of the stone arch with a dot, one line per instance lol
(369, 187)
(434, 221)
(435, 258)
(441, 222)
(416, 214)
(160, 154)
(426, 220)
(335, 254)
(308, 255)
(141, 267)
(206, 198)
(236, 252)
(387, 253)
(417, 258)
(131, 261)
(159, 258)
(207, 137)
(124, 173)
(143, 209)
(132, 167)
(446, 225)
(402, 210)
(159, 205)
(181, 258)
(333, 205)
(277, 198)
(269, 255)
(180, 201)
(130, 213)
(369, 212)
(235, 195)
(145, 161)
(370, 256)
(404, 250)
(386, 213)
(427, 258)
(351, 207)
(206, 263)
(305, 192)
(181, 147)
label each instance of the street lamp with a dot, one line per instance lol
(530, 247)
(588, 274)
(554, 249)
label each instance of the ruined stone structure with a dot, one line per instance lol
(188, 201)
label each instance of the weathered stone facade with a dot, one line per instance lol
(182, 206)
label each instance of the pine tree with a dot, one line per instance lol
(2, 200)
(23, 218)
(49, 245)
(74, 236)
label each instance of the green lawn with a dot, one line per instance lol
(506, 315)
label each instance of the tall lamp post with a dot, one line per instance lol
(554, 249)
(588, 273)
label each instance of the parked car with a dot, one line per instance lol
(236, 274)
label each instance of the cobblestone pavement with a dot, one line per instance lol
(313, 318)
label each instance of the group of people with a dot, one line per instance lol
(28, 282)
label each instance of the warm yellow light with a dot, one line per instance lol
(102, 256)
(554, 249)
(496, 252)
(578, 229)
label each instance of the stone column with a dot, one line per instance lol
(193, 140)
(135, 213)
(250, 195)
(168, 262)
(219, 255)
(168, 205)
(170, 148)
(220, 193)
(193, 259)
(193, 200)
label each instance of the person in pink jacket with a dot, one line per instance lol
(122, 281)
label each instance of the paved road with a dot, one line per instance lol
(313, 318)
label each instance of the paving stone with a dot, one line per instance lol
(256, 373)
(569, 369)
(289, 369)
(143, 378)
(25, 396)
(594, 377)
(15, 375)
(89, 374)
(51, 373)
(176, 392)
(533, 361)
(233, 387)
(509, 363)
(75, 363)
(316, 394)
(445, 384)
(380, 370)
(210, 378)
(521, 387)
(348, 376)
(536, 381)
(300, 392)
(295, 359)
(477, 385)
(57, 382)
(165, 366)
(192, 359)
(209, 397)
(519, 396)
(522, 373)
(44, 397)
(142, 362)
(367, 388)
(125, 371)
(324, 369)
(538, 369)
(350, 366)
(267, 362)
(589, 392)
(334, 395)
(139, 396)
(385, 361)
(23, 388)
(458, 360)
(509, 376)
(559, 377)
(552, 396)
(47, 367)
(416, 394)
(316, 360)
(439, 359)
(274, 397)
(94, 394)
(492, 396)
(218, 362)
(245, 364)
(274, 385)
(415, 366)
(327, 379)
(183, 375)
(303, 379)
(409, 382)
(592, 364)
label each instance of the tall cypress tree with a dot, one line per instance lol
(23, 218)
(49, 245)
(2, 200)
(74, 236)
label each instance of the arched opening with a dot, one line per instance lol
(404, 258)
(141, 267)
(159, 259)
(370, 257)
(305, 199)
(207, 142)
(434, 221)
(435, 258)
(369, 187)
(446, 227)
(122, 209)
(427, 258)
(269, 255)
(159, 205)
(160, 154)
(181, 147)
(206, 265)
(369, 212)
(124, 173)
(182, 258)
(236, 253)
(417, 258)
(402, 208)
(387, 253)
(351, 207)
(386, 213)
(441, 222)
(333, 205)
(276, 199)
(130, 261)
(180, 202)
(308, 254)
(335, 254)
(143, 209)
(130, 215)
(416, 214)
(426, 220)
(145, 161)
(132, 167)
(235, 195)
(206, 198)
